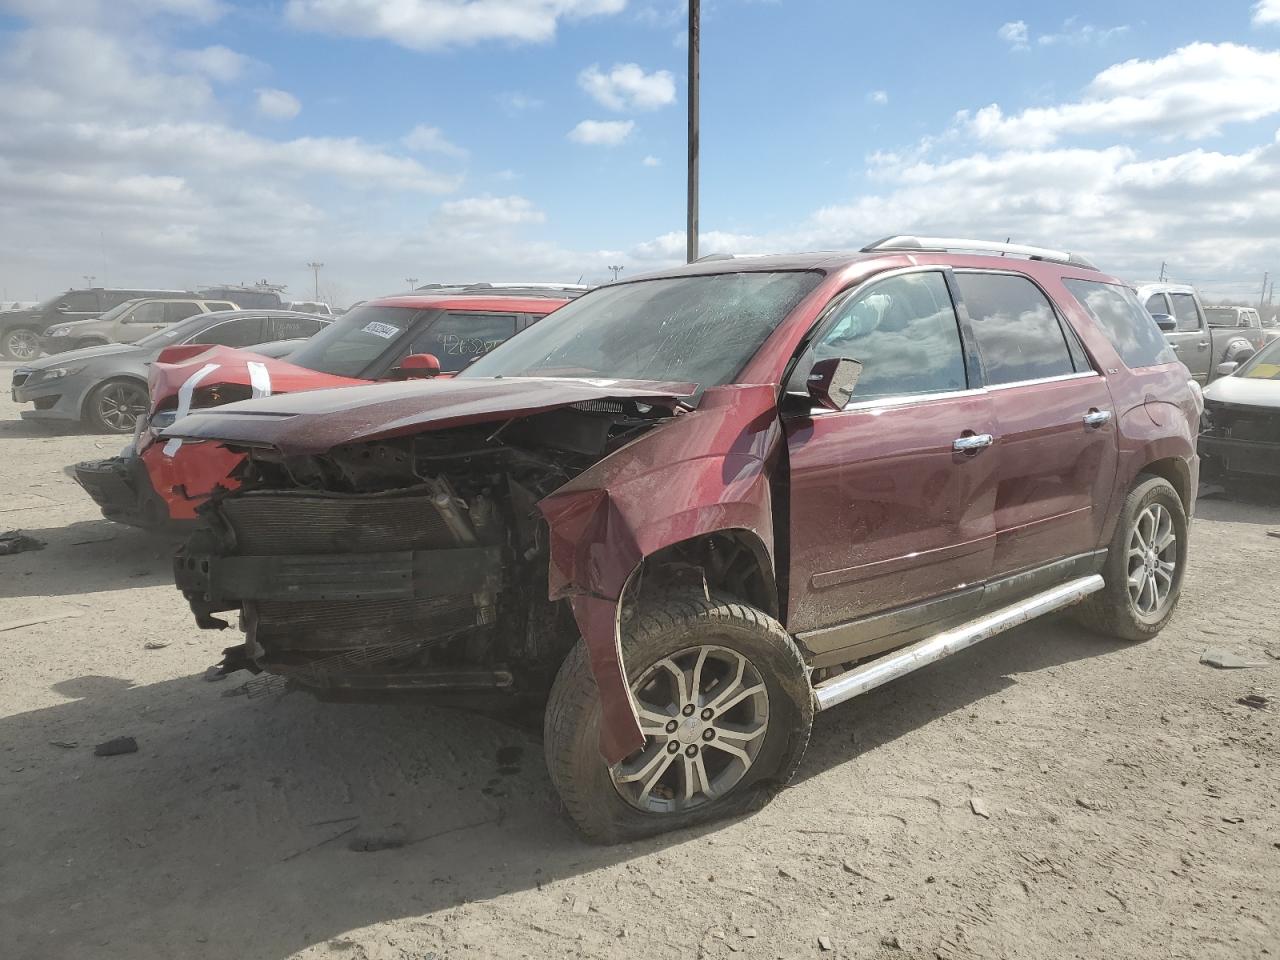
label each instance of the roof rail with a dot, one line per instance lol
(956, 245)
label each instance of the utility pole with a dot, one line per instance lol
(616, 270)
(412, 282)
(315, 266)
(691, 219)
(1162, 266)
(1263, 296)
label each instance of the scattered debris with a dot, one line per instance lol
(825, 944)
(979, 808)
(107, 539)
(214, 673)
(1088, 804)
(748, 932)
(1255, 700)
(15, 541)
(785, 875)
(156, 644)
(113, 748)
(1226, 660)
(892, 942)
(717, 933)
(64, 744)
(44, 618)
(1273, 533)
(581, 907)
(1273, 653)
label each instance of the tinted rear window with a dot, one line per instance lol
(1016, 327)
(1127, 325)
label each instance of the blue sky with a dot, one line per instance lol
(192, 141)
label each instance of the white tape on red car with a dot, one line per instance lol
(259, 379)
(184, 403)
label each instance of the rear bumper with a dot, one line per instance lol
(1222, 455)
(121, 488)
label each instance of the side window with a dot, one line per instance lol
(216, 305)
(904, 332)
(240, 332)
(457, 338)
(294, 328)
(150, 312)
(1017, 330)
(83, 302)
(1156, 303)
(1129, 328)
(1184, 309)
(175, 310)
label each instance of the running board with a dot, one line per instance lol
(859, 680)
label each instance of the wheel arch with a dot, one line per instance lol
(114, 378)
(733, 561)
(1178, 472)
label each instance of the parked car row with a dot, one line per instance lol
(81, 318)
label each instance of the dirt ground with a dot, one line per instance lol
(1131, 801)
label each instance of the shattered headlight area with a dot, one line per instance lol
(417, 564)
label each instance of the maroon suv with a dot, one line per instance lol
(690, 510)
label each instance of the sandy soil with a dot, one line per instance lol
(1132, 801)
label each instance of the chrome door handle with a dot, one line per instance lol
(1202, 344)
(972, 444)
(1097, 418)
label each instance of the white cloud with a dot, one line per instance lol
(1190, 93)
(1080, 34)
(601, 133)
(216, 62)
(652, 161)
(514, 101)
(277, 104)
(628, 87)
(1266, 13)
(426, 139)
(879, 97)
(1014, 33)
(486, 211)
(434, 24)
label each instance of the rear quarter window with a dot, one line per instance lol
(1127, 325)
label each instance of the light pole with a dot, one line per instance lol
(616, 270)
(88, 279)
(412, 282)
(691, 220)
(315, 266)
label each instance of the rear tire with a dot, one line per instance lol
(20, 343)
(1142, 589)
(765, 716)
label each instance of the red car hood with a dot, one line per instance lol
(177, 365)
(306, 423)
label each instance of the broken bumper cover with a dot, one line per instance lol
(121, 488)
(1224, 455)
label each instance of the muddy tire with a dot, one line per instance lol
(1145, 565)
(726, 707)
(115, 405)
(20, 343)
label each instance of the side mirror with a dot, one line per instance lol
(831, 382)
(419, 366)
(1165, 322)
(1226, 368)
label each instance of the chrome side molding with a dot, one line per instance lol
(860, 679)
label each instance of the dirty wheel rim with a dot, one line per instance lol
(22, 345)
(1152, 560)
(120, 405)
(704, 713)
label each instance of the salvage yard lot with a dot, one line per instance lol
(1047, 794)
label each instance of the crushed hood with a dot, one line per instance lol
(308, 423)
(1246, 391)
(176, 365)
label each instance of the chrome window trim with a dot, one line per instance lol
(1055, 379)
(906, 399)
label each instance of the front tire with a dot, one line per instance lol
(1145, 565)
(20, 343)
(114, 406)
(725, 706)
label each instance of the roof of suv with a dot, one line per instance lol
(493, 303)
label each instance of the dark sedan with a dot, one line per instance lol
(105, 386)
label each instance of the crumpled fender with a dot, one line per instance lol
(703, 472)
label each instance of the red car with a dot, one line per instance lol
(154, 484)
(689, 510)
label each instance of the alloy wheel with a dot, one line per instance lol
(120, 405)
(1152, 560)
(704, 712)
(22, 345)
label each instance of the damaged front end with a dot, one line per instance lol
(416, 562)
